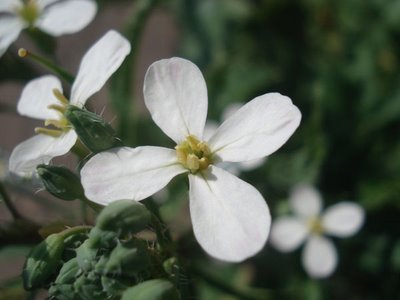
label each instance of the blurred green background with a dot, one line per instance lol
(339, 61)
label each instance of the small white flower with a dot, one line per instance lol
(309, 225)
(236, 167)
(230, 218)
(42, 98)
(54, 17)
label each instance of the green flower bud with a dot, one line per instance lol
(113, 286)
(89, 289)
(86, 255)
(103, 238)
(43, 261)
(96, 134)
(63, 292)
(156, 289)
(68, 273)
(60, 182)
(127, 259)
(170, 264)
(124, 216)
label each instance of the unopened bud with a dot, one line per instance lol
(86, 255)
(60, 182)
(93, 131)
(68, 272)
(127, 259)
(156, 289)
(42, 262)
(124, 216)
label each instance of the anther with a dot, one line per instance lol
(51, 132)
(57, 123)
(59, 108)
(60, 97)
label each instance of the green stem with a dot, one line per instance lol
(77, 229)
(243, 294)
(121, 84)
(48, 64)
(7, 201)
(163, 235)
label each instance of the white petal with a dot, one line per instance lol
(176, 95)
(98, 64)
(257, 129)
(39, 149)
(319, 257)
(343, 219)
(251, 164)
(209, 129)
(129, 173)
(287, 233)
(66, 17)
(43, 3)
(37, 95)
(10, 28)
(230, 218)
(305, 201)
(9, 6)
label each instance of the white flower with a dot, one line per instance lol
(236, 167)
(42, 98)
(230, 218)
(54, 17)
(309, 225)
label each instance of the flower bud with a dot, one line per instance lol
(127, 259)
(68, 272)
(124, 216)
(86, 255)
(113, 286)
(156, 289)
(63, 292)
(88, 289)
(92, 130)
(60, 182)
(42, 262)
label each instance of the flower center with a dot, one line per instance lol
(29, 12)
(56, 127)
(315, 226)
(193, 154)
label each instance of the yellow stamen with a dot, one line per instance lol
(60, 97)
(60, 108)
(22, 52)
(50, 132)
(57, 123)
(193, 154)
(315, 226)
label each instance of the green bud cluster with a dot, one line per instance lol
(101, 262)
(93, 131)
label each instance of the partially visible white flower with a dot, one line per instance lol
(230, 218)
(42, 98)
(233, 167)
(55, 17)
(309, 225)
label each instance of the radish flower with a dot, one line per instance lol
(54, 17)
(230, 218)
(309, 225)
(43, 98)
